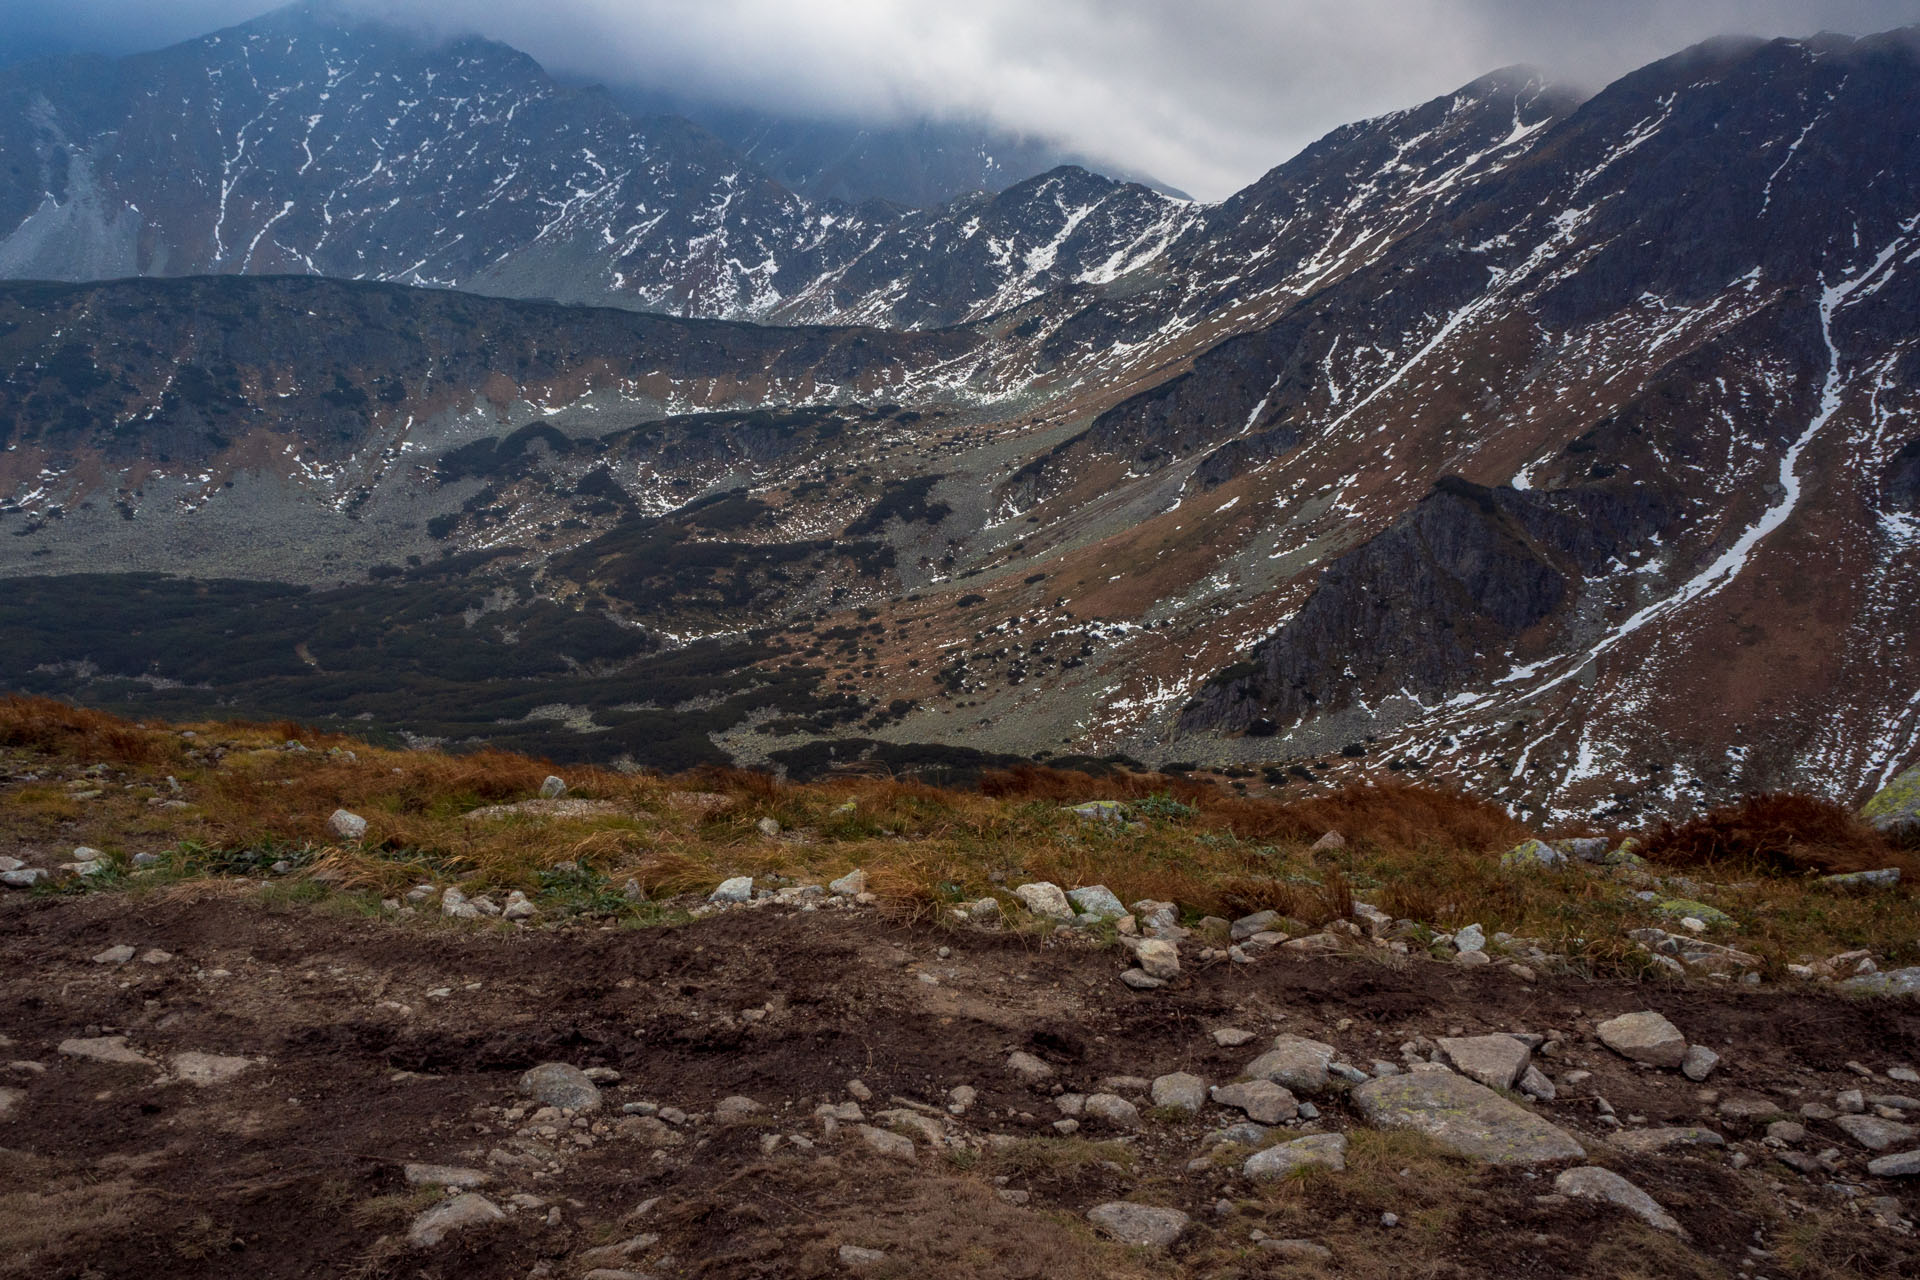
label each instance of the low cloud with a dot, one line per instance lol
(1206, 94)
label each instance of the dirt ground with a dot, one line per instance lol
(373, 1044)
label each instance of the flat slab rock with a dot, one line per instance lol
(1494, 1061)
(1644, 1037)
(1148, 1226)
(1591, 1183)
(469, 1210)
(1318, 1151)
(1464, 1117)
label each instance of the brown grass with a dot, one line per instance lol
(41, 724)
(1778, 834)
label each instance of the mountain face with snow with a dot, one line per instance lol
(304, 142)
(1567, 448)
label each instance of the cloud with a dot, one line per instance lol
(1205, 94)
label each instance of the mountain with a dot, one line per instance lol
(1566, 448)
(918, 163)
(328, 144)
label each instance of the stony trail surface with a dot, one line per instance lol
(788, 1093)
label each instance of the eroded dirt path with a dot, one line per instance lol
(371, 1045)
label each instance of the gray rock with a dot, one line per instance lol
(1895, 808)
(1904, 1165)
(1246, 926)
(1294, 1061)
(1141, 980)
(1044, 898)
(1884, 878)
(1533, 853)
(22, 878)
(894, 1146)
(147, 860)
(1262, 1100)
(1320, 1150)
(1114, 1110)
(1786, 1133)
(10, 864)
(552, 788)
(109, 1049)
(457, 1214)
(1147, 1226)
(1293, 1250)
(1745, 1109)
(734, 889)
(1647, 1141)
(115, 955)
(519, 907)
(459, 1177)
(1160, 959)
(1231, 1037)
(768, 827)
(1028, 1067)
(1535, 1084)
(854, 883)
(1471, 938)
(1245, 1133)
(1464, 1117)
(1876, 1134)
(559, 1084)
(984, 911)
(1644, 1037)
(1495, 1061)
(454, 903)
(854, 1258)
(735, 1108)
(204, 1069)
(1591, 1183)
(1888, 982)
(1181, 1091)
(1699, 1062)
(1097, 901)
(9, 1099)
(348, 826)
(1587, 848)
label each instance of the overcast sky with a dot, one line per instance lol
(1203, 94)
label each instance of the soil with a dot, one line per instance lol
(375, 1044)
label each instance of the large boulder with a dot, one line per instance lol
(1466, 1118)
(1895, 808)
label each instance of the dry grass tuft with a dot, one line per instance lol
(41, 724)
(1776, 833)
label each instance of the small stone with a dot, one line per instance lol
(1231, 1037)
(458, 1177)
(857, 1089)
(853, 884)
(519, 907)
(1850, 1101)
(552, 788)
(1113, 1110)
(1874, 1133)
(1389, 1220)
(768, 827)
(1146, 1226)
(1262, 1100)
(854, 1258)
(348, 826)
(1029, 1068)
(1297, 1250)
(203, 1069)
(1495, 1061)
(1471, 938)
(1044, 898)
(559, 1084)
(462, 1211)
(1746, 1109)
(1644, 1037)
(1592, 1183)
(1141, 980)
(1472, 959)
(1246, 926)
(1786, 1133)
(22, 878)
(735, 1108)
(960, 1099)
(1180, 1091)
(110, 1049)
(1160, 959)
(884, 1142)
(736, 889)
(1320, 1150)
(115, 955)
(1535, 1084)
(1294, 1061)
(1884, 878)
(1904, 1165)
(1699, 1062)
(1098, 901)
(1646, 1141)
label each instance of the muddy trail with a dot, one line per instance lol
(777, 1098)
